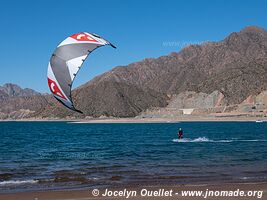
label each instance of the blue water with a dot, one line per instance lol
(52, 155)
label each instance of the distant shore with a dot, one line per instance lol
(189, 118)
(167, 120)
(259, 189)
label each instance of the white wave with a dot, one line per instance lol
(251, 140)
(200, 139)
(18, 182)
(204, 139)
(224, 141)
(252, 177)
(248, 140)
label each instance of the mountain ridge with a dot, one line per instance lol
(236, 67)
(12, 90)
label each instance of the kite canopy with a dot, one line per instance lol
(66, 61)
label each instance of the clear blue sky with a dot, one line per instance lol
(30, 31)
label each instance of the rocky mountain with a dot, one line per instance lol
(13, 90)
(16, 102)
(235, 68)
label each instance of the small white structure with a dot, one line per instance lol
(187, 111)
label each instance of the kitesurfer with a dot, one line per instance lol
(180, 133)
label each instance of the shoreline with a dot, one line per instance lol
(86, 193)
(147, 120)
(170, 120)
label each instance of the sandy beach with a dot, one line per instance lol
(169, 120)
(184, 118)
(250, 191)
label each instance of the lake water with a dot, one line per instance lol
(55, 155)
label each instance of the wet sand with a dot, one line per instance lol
(86, 194)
